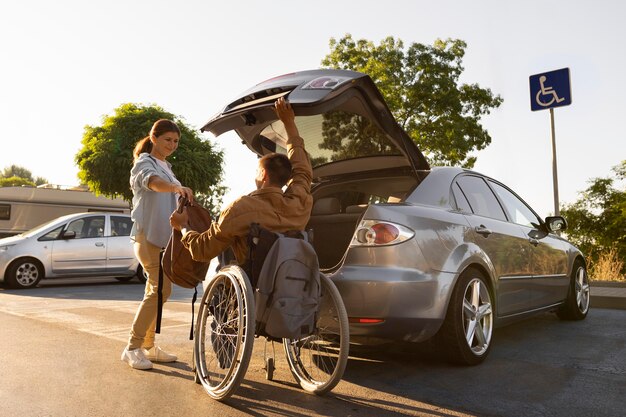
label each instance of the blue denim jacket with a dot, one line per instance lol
(151, 210)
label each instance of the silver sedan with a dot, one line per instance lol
(417, 252)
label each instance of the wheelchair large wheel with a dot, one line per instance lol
(224, 333)
(319, 360)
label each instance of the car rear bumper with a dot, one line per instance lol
(411, 304)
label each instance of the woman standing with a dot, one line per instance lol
(154, 187)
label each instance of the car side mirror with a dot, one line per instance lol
(70, 234)
(555, 223)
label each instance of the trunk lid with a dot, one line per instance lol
(342, 117)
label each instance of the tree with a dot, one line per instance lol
(15, 181)
(15, 175)
(597, 220)
(421, 87)
(105, 159)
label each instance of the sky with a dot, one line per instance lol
(66, 64)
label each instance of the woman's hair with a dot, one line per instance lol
(159, 127)
(278, 168)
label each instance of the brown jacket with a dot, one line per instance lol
(270, 207)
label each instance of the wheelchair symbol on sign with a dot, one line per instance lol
(546, 95)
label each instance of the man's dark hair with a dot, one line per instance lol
(278, 168)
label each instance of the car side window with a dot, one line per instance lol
(51, 235)
(87, 227)
(519, 212)
(121, 226)
(461, 202)
(480, 197)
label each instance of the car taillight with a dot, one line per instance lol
(364, 320)
(378, 233)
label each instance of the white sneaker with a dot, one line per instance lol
(156, 354)
(136, 359)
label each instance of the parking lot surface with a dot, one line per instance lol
(60, 346)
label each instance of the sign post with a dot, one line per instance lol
(547, 91)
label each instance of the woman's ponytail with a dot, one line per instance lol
(143, 145)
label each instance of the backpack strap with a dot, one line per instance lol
(193, 302)
(160, 294)
(260, 241)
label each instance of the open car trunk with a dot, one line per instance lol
(359, 153)
(339, 206)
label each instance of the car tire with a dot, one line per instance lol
(466, 334)
(141, 275)
(24, 273)
(576, 305)
(125, 279)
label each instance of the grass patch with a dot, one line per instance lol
(607, 267)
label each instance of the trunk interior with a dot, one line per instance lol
(339, 205)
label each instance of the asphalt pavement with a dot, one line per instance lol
(60, 347)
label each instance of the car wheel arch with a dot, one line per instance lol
(578, 258)
(486, 272)
(472, 256)
(490, 281)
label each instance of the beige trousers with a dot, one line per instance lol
(143, 329)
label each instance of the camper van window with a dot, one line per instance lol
(5, 212)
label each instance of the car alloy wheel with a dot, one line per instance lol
(576, 305)
(24, 273)
(465, 335)
(477, 316)
(581, 289)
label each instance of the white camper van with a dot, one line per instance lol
(22, 208)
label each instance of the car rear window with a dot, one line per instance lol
(335, 136)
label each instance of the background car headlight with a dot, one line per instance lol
(379, 233)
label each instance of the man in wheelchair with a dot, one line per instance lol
(268, 206)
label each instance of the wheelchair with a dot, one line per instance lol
(225, 333)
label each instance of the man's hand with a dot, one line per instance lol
(179, 220)
(287, 116)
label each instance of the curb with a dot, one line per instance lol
(608, 294)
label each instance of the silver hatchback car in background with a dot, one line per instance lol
(75, 245)
(416, 252)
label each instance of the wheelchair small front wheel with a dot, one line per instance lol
(224, 333)
(319, 360)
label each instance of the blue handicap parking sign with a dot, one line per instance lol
(550, 89)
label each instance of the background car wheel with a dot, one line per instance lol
(576, 304)
(465, 335)
(124, 279)
(141, 275)
(24, 273)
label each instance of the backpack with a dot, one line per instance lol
(177, 263)
(287, 294)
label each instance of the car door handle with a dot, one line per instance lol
(99, 244)
(533, 241)
(482, 230)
